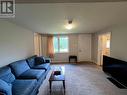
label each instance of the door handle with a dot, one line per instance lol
(80, 50)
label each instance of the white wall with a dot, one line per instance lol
(73, 49)
(73, 44)
(16, 43)
(94, 47)
(118, 42)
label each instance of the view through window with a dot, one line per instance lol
(60, 44)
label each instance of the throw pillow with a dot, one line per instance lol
(39, 60)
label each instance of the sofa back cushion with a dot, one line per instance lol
(5, 88)
(6, 74)
(19, 67)
(31, 61)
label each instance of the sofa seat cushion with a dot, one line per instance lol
(32, 74)
(23, 87)
(5, 88)
(19, 67)
(42, 66)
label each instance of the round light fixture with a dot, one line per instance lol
(69, 25)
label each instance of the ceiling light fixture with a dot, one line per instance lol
(69, 25)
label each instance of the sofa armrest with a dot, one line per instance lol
(5, 88)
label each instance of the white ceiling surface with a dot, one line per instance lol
(87, 17)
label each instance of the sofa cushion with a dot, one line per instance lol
(39, 60)
(5, 87)
(19, 67)
(42, 66)
(47, 60)
(32, 74)
(6, 74)
(31, 61)
(23, 87)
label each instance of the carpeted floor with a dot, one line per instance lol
(82, 79)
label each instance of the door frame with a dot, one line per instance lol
(100, 47)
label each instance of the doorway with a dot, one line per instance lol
(103, 47)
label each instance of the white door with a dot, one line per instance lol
(84, 47)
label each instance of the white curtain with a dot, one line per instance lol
(50, 47)
(44, 45)
(37, 44)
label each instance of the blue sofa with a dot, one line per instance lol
(24, 77)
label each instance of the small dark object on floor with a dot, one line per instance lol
(73, 57)
(116, 83)
(57, 72)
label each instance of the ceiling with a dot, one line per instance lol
(87, 17)
(64, 1)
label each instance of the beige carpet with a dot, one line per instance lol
(83, 79)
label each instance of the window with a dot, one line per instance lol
(60, 44)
